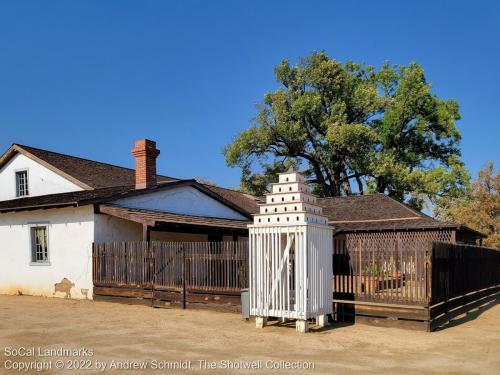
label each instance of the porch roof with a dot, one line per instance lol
(158, 218)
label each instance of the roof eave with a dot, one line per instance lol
(405, 229)
(477, 233)
(401, 229)
(40, 207)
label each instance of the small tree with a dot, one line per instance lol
(478, 207)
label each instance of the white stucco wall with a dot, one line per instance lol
(184, 200)
(178, 237)
(71, 231)
(70, 237)
(112, 229)
(41, 180)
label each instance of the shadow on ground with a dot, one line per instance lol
(470, 315)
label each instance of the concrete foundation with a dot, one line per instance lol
(260, 321)
(321, 320)
(302, 326)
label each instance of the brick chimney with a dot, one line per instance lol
(145, 154)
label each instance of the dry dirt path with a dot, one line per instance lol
(115, 332)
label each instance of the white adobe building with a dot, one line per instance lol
(53, 207)
(290, 256)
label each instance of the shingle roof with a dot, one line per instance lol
(365, 207)
(374, 212)
(92, 174)
(246, 201)
(172, 217)
(76, 198)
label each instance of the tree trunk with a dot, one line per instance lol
(381, 185)
(360, 185)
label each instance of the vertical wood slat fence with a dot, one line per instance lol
(415, 277)
(386, 267)
(418, 277)
(171, 273)
(458, 270)
(463, 277)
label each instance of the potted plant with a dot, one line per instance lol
(372, 278)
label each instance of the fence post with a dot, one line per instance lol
(152, 267)
(428, 275)
(428, 286)
(183, 276)
(94, 265)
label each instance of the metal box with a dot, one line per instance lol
(245, 304)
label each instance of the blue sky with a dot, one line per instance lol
(89, 77)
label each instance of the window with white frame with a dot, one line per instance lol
(39, 245)
(22, 184)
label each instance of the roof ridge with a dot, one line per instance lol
(411, 209)
(72, 156)
(403, 204)
(80, 158)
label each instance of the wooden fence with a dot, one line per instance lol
(412, 279)
(463, 277)
(171, 273)
(409, 277)
(386, 267)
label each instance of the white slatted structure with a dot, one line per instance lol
(290, 254)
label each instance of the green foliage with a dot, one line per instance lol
(353, 128)
(373, 270)
(477, 206)
(258, 183)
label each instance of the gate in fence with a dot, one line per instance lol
(170, 274)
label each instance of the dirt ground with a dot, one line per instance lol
(122, 335)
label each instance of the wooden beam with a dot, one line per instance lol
(201, 229)
(146, 232)
(122, 213)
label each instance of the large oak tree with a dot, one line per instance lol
(354, 129)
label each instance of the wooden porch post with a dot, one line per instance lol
(146, 232)
(453, 236)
